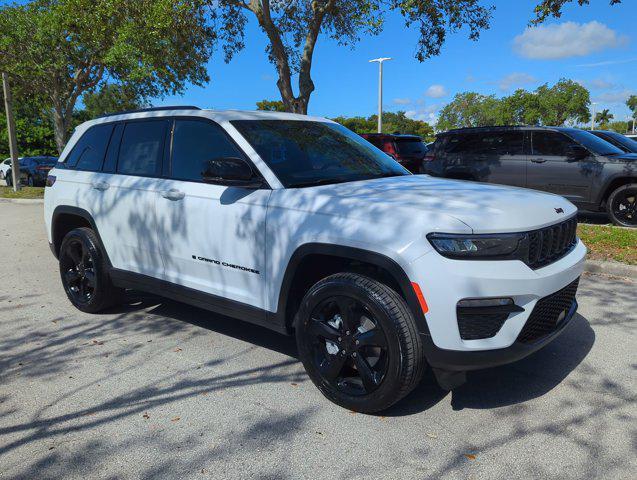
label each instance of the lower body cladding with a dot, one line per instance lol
(483, 314)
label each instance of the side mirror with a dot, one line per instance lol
(576, 152)
(231, 171)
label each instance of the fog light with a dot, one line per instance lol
(485, 302)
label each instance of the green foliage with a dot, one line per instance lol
(60, 49)
(603, 118)
(34, 129)
(271, 106)
(393, 122)
(619, 126)
(112, 98)
(553, 8)
(566, 102)
(631, 103)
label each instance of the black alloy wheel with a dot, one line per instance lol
(85, 273)
(622, 206)
(349, 348)
(78, 271)
(358, 342)
(30, 181)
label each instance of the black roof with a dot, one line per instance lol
(500, 128)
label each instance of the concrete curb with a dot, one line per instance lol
(22, 200)
(611, 268)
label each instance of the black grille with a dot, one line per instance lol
(474, 326)
(544, 317)
(551, 243)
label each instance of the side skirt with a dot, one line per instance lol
(196, 298)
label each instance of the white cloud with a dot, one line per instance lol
(608, 62)
(402, 101)
(569, 39)
(436, 91)
(617, 96)
(411, 114)
(516, 79)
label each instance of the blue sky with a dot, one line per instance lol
(594, 44)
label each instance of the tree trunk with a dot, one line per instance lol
(61, 123)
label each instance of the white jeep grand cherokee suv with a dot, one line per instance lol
(297, 224)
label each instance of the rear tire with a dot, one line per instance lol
(84, 272)
(358, 342)
(622, 206)
(9, 178)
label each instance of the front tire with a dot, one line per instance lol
(9, 178)
(84, 272)
(30, 182)
(622, 206)
(358, 342)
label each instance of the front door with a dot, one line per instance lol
(212, 237)
(550, 169)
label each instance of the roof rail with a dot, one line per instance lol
(153, 109)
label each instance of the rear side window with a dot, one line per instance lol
(88, 153)
(496, 143)
(410, 146)
(195, 143)
(142, 147)
(551, 144)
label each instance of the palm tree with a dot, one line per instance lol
(604, 117)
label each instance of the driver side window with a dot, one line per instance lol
(195, 143)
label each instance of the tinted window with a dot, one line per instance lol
(551, 143)
(497, 143)
(303, 153)
(593, 143)
(195, 143)
(88, 153)
(142, 146)
(410, 146)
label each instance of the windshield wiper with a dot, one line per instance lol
(317, 182)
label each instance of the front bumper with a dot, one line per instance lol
(444, 282)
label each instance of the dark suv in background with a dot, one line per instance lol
(622, 142)
(590, 172)
(408, 150)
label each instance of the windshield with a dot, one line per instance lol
(304, 153)
(593, 143)
(45, 160)
(410, 146)
(620, 141)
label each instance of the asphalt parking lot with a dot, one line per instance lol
(156, 389)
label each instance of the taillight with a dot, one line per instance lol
(430, 157)
(42, 168)
(50, 180)
(390, 150)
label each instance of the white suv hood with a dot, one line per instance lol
(484, 208)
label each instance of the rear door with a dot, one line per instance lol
(551, 170)
(502, 158)
(126, 194)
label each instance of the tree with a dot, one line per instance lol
(293, 29)
(566, 102)
(603, 118)
(62, 49)
(33, 127)
(631, 103)
(271, 106)
(112, 98)
(392, 122)
(619, 126)
(553, 8)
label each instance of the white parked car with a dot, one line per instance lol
(5, 167)
(297, 224)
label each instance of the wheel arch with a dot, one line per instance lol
(66, 218)
(613, 184)
(313, 261)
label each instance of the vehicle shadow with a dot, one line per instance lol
(507, 385)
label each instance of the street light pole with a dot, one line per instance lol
(380, 90)
(593, 117)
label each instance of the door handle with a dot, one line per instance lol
(100, 186)
(538, 160)
(173, 194)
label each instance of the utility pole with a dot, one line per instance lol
(593, 117)
(13, 142)
(380, 90)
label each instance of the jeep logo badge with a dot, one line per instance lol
(559, 210)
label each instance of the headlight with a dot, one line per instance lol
(484, 247)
